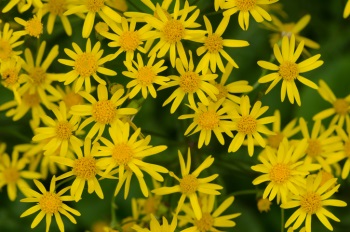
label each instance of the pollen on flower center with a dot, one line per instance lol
(222, 91)
(213, 43)
(279, 173)
(104, 111)
(34, 27)
(11, 175)
(275, 140)
(10, 76)
(190, 82)
(64, 130)
(245, 5)
(173, 31)
(205, 223)
(311, 202)
(31, 100)
(72, 99)
(314, 149)
(50, 203)
(5, 49)
(86, 64)
(94, 5)
(57, 7)
(145, 76)
(188, 184)
(208, 120)
(38, 75)
(122, 154)
(341, 106)
(247, 125)
(129, 41)
(85, 167)
(288, 70)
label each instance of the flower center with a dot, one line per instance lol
(10, 76)
(151, 205)
(85, 167)
(64, 130)
(72, 99)
(189, 184)
(145, 76)
(11, 175)
(275, 140)
(5, 49)
(173, 31)
(264, 205)
(213, 43)
(205, 223)
(247, 125)
(31, 100)
(34, 27)
(57, 7)
(311, 202)
(129, 41)
(288, 70)
(314, 149)
(341, 106)
(86, 64)
(190, 82)
(50, 203)
(104, 111)
(245, 5)
(95, 5)
(38, 75)
(222, 91)
(279, 173)
(347, 148)
(208, 120)
(122, 154)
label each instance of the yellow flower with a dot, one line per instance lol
(172, 30)
(340, 109)
(155, 225)
(208, 119)
(347, 10)
(49, 203)
(312, 200)
(264, 205)
(144, 76)
(32, 27)
(245, 8)
(247, 124)
(190, 184)
(8, 41)
(70, 97)
(125, 152)
(84, 65)
(213, 47)
(289, 70)
(107, 14)
(210, 219)
(23, 5)
(13, 173)
(190, 83)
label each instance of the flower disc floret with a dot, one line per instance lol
(11, 175)
(213, 43)
(189, 184)
(341, 106)
(311, 202)
(38, 75)
(104, 111)
(95, 5)
(190, 82)
(275, 140)
(31, 100)
(247, 125)
(173, 31)
(86, 64)
(280, 173)
(50, 203)
(122, 154)
(145, 76)
(314, 149)
(64, 130)
(34, 27)
(57, 7)
(10, 76)
(85, 167)
(245, 5)
(288, 70)
(205, 223)
(208, 120)
(129, 40)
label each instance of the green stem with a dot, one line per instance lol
(282, 220)
(113, 215)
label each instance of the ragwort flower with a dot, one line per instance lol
(8, 41)
(32, 27)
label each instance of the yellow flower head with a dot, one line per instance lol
(8, 41)
(32, 27)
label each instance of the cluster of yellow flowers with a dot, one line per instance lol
(82, 120)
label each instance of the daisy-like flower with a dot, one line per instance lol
(323, 146)
(213, 47)
(32, 27)
(70, 97)
(59, 132)
(156, 226)
(8, 42)
(289, 70)
(189, 83)
(84, 167)
(247, 124)
(125, 152)
(103, 111)
(346, 12)
(340, 109)
(245, 8)
(284, 169)
(208, 119)
(13, 173)
(210, 219)
(37, 79)
(91, 8)
(49, 203)
(190, 184)
(313, 199)
(127, 38)
(144, 76)
(172, 30)
(23, 5)
(85, 65)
